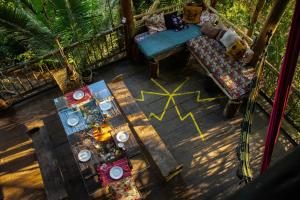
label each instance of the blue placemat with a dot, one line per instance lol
(61, 103)
(65, 114)
(164, 41)
(99, 90)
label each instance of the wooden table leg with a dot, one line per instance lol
(154, 69)
(232, 107)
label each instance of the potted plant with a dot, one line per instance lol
(87, 75)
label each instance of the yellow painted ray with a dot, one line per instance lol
(172, 100)
(153, 93)
(191, 115)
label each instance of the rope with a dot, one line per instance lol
(244, 171)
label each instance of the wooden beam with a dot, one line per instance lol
(259, 6)
(53, 182)
(126, 8)
(268, 29)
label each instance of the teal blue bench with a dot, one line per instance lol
(160, 45)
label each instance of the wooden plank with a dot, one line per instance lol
(52, 179)
(70, 172)
(55, 130)
(148, 136)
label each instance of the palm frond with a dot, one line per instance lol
(16, 22)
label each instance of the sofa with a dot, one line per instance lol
(232, 76)
(158, 46)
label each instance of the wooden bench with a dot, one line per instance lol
(150, 139)
(53, 182)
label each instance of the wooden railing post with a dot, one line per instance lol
(126, 6)
(268, 29)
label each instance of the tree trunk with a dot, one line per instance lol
(213, 3)
(69, 67)
(259, 6)
(268, 30)
(126, 6)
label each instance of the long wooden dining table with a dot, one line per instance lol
(93, 125)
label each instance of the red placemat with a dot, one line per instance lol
(103, 171)
(72, 101)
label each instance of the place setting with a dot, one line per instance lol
(72, 120)
(108, 108)
(114, 171)
(79, 96)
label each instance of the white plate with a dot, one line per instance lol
(105, 105)
(122, 136)
(73, 120)
(84, 155)
(116, 172)
(79, 94)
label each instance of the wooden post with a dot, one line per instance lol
(213, 3)
(259, 6)
(126, 6)
(269, 28)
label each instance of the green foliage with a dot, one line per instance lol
(141, 6)
(35, 23)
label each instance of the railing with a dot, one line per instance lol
(24, 80)
(292, 111)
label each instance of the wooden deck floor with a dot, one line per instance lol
(209, 165)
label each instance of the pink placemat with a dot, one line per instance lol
(87, 96)
(103, 171)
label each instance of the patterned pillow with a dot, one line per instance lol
(206, 16)
(237, 50)
(247, 57)
(229, 38)
(178, 23)
(210, 30)
(192, 13)
(155, 23)
(168, 20)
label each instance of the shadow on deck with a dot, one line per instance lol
(207, 154)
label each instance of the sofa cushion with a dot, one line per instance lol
(168, 20)
(192, 13)
(155, 23)
(237, 50)
(229, 38)
(206, 17)
(210, 30)
(161, 42)
(234, 78)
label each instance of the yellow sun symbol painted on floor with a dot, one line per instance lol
(171, 99)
